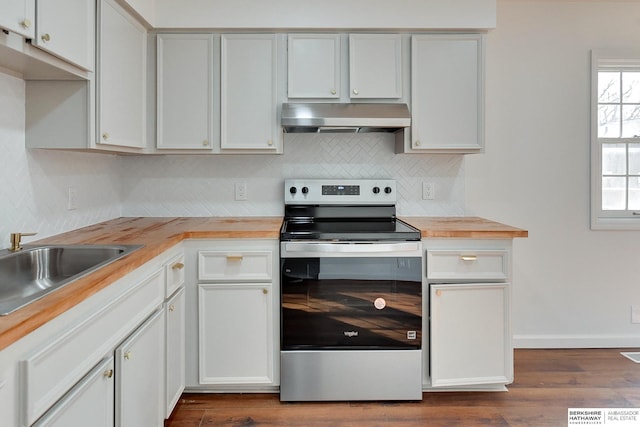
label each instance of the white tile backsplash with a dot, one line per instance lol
(34, 186)
(204, 185)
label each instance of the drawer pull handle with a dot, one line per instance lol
(234, 258)
(177, 266)
(468, 257)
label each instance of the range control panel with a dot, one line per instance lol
(341, 192)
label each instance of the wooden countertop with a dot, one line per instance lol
(159, 234)
(156, 234)
(467, 227)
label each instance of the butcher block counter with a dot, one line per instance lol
(468, 227)
(159, 234)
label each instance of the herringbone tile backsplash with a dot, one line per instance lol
(35, 183)
(204, 185)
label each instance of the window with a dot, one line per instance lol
(615, 140)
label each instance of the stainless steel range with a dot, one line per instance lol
(351, 304)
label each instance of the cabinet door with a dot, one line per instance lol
(121, 78)
(249, 93)
(314, 66)
(447, 93)
(185, 91)
(470, 334)
(375, 66)
(175, 350)
(235, 333)
(66, 28)
(18, 16)
(90, 402)
(140, 368)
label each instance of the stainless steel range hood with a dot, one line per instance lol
(360, 117)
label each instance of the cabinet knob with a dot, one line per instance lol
(127, 355)
(108, 373)
(205, 143)
(417, 143)
(172, 307)
(265, 291)
(438, 292)
(333, 91)
(26, 23)
(177, 266)
(105, 136)
(270, 143)
(46, 37)
(355, 92)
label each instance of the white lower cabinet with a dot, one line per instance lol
(235, 333)
(175, 350)
(467, 314)
(470, 342)
(115, 359)
(90, 402)
(139, 375)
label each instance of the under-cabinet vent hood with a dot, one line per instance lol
(360, 117)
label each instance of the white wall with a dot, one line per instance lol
(572, 286)
(325, 14)
(34, 184)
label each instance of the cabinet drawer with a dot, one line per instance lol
(174, 275)
(468, 265)
(225, 265)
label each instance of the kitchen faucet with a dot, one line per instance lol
(15, 240)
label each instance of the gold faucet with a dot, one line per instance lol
(15, 240)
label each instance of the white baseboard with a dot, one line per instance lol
(576, 341)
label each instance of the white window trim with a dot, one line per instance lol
(604, 220)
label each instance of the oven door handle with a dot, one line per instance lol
(351, 247)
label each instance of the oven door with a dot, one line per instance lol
(351, 296)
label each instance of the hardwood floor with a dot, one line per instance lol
(547, 383)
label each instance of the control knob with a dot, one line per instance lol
(376, 190)
(293, 190)
(305, 190)
(387, 190)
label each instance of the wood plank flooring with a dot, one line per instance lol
(547, 383)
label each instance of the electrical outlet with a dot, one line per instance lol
(72, 199)
(428, 191)
(635, 314)
(241, 191)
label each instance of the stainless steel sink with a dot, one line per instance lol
(34, 272)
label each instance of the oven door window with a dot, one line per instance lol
(351, 303)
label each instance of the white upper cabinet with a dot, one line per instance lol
(249, 93)
(314, 64)
(320, 66)
(185, 91)
(447, 93)
(121, 78)
(375, 66)
(18, 16)
(66, 28)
